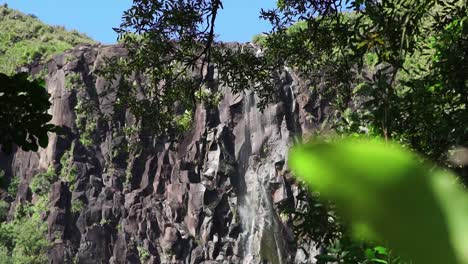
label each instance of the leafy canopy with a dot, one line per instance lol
(172, 45)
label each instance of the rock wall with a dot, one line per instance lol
(212, 197)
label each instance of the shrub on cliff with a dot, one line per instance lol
(24, 239)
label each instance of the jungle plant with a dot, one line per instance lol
(76, 206)
(143, 253)
(42, 182)
(184, 121)
(69, 171)
(13, 186)
(24, 239)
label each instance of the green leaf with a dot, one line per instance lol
(381, 250)
(362, 44)
(380, 261)
(370, 254)
(42, 83)
(43, 139)
(389, 195)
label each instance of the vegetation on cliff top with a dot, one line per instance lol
(24, 40)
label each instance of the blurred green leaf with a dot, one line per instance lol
(389, 195)
(381, 250)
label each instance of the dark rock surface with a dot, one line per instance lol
(210, 198)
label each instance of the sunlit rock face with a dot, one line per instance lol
(211, 197)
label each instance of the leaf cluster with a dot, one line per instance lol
(24, 119)
(23, 239)
(172, 47)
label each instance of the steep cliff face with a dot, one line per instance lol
(129, 197)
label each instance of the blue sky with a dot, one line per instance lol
(237, 22)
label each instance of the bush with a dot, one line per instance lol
(76, 206)
(30, 242)
(13, 187)
(23, 240)
(69, 170)
(5, 258)
(32, 39)
(259, 39)
(184, 121)
(42, 182)
(4, 207)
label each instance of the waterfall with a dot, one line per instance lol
(262, 237)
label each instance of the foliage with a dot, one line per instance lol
(349, 251)
(4, 207)
(30, 242)
(76, 206)
(207, 97)
(4, 258)
(25, 40)
(24, 120)
(392, 69)
(143, 253)
(104, 221)
(439, 81)
(72, 79)
(13, 186)
(326, 226)
(317, 221)
(380, 68)
(184, 121)
(86, 136)
(363, 176)
(173, 46)
(259, 39)
(69, 171)
(381, 65)
(86, 121)
(42, 182)
(23, 240)
(165, 40)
